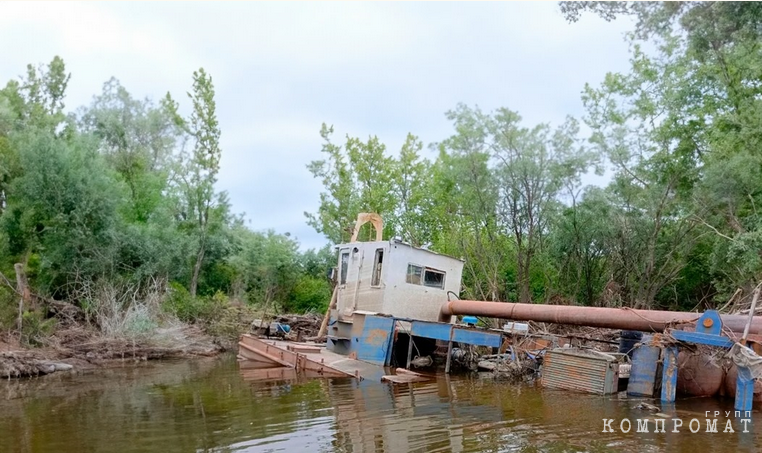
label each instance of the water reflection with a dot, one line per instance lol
(212, 406)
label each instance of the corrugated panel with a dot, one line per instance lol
(578, 371)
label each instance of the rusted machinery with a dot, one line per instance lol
(655, 360)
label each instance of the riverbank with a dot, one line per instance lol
(78, 347)
(75, 345)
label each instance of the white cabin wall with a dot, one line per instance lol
(357, 293)
(394, 296)
(406, 300)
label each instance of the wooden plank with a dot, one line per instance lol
(404, 376)
(303, 349)
(255, 354)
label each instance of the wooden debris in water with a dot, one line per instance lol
(404, 376)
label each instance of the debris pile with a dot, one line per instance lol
(291, 327)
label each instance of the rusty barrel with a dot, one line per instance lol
(611, 318)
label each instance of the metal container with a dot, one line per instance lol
(580, 370)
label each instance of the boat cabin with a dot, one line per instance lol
(393, 278)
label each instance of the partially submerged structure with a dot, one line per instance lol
(392, 300)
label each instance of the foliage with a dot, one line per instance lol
(361, 177)
(190, 309)
(36, 328)
(107, 207)
(310, 294)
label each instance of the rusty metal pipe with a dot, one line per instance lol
(611, 318)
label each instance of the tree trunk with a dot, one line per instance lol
(525, 296)
(22, 287)
(197, 270)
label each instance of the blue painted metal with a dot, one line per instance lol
(744, 390)
(709, 332)
(435, 330)
(477, 337)
(645, 360)
(702, 338)
(710, 323)
(375, 343)
(669, 374)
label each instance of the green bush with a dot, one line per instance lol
(310, 294)
(8, 309)
(193, 309)
(36, 328)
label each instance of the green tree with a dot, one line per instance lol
(532, 167)
(62, 211)
(687, 130)
(267, 267)
(37, 100)
(138, 140)
(204, 209)
(358, 177)
(411, 188)
(462, 215)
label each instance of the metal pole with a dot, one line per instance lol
(409, 349)
(449, 356)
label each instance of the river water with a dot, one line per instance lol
(209, 406)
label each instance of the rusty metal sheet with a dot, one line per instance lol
(257, 350)
(580, 371)
(374, 345)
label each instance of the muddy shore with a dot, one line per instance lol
(78, 348)
(74, 346)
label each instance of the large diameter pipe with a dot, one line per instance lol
(611, 318)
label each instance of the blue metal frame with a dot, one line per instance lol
(702, 338)
(435, 330)
(476, 337)
(645, 361)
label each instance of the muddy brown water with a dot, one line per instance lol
(208, 406)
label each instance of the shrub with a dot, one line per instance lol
(36, 328)
(310, 295)
(190, 309)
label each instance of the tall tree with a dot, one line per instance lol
(532, 166)
(411, 186)
(463, 215)
(138, 140)
(36, 100)
(205, 208)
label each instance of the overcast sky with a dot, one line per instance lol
(282, 69)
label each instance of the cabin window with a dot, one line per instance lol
(433, 278)
(344, 266)
(414, 274)
(426, 276)
(378, 262)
